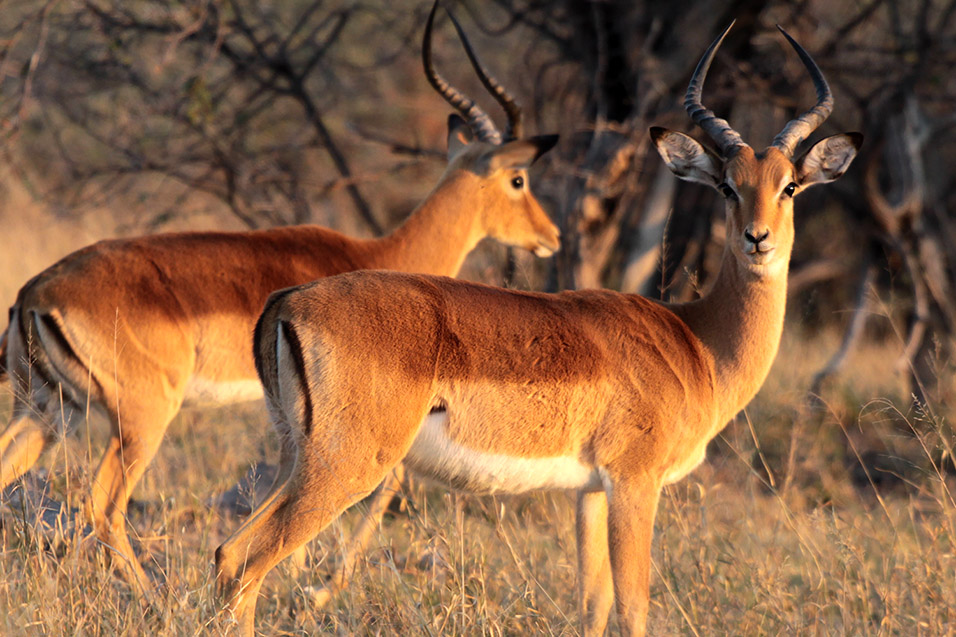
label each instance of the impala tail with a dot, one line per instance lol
(264, 347)
(279, 362)
(36, 344)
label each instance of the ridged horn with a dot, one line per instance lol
(501, 95)
(800, 128)
(718, 129)
(477, 118)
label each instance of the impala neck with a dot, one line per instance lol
(436, 237)
(740, 322)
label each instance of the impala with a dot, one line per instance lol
(496, 391)
(139, 327)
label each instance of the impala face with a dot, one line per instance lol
(541, 236)
(498, 175)
(501, 167)
(759, 194)
(759, 187)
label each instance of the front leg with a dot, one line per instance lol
(631, 510)
(595, 587)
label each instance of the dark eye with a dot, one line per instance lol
(790, 189)
(727, 192)
(517, 183)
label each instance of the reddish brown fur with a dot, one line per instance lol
(491, 390)
(136, 323)
(629, 388)
(539, 345)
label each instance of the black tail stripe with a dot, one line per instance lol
(299, 361)
(42, 360)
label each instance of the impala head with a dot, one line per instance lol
(759, 187)
(494, 173)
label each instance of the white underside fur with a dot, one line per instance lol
(202, 391)
(434, 455)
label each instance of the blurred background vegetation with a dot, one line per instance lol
(130, 117)
(134, 116)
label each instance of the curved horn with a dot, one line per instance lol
(800, 128)
(512, 109)
(477, 118)
(718, 129)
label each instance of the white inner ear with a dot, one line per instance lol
(687, 159)
(827, 160)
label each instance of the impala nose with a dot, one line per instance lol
(755, 236)
(548, 245)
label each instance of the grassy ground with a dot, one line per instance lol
(782, 531)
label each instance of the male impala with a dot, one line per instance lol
(139, 327)
(495, 391)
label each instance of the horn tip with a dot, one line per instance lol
(730, 26)
(789, 37)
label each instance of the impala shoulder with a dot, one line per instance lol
(666, 323)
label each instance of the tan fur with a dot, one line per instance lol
(140, 326)
(630, 388)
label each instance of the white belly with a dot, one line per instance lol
(435, 455)
(201, 391)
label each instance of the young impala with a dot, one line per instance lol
(495, 391)
(138, 327)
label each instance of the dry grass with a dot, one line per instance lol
(828, 548)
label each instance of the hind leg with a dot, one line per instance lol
(375, 507)
(133, 444)
(287, 453)
(21, 445)
(311, 498)
(37, 418)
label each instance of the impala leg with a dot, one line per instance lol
(33, 425)
(631, 513)
(375, 507)
(287, 452)
(131, 448)
(595, 586)
(312, 497)
(287, 455)
(21, 444)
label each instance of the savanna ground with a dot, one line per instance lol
(782, 531)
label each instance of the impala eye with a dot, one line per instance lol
(517, 183)
(790, 189)
(727, 191)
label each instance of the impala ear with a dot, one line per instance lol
(827, 159)
(460, 135)
(520, 153)
(686, 157)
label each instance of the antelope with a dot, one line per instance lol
(139, 327)
(489, 391)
